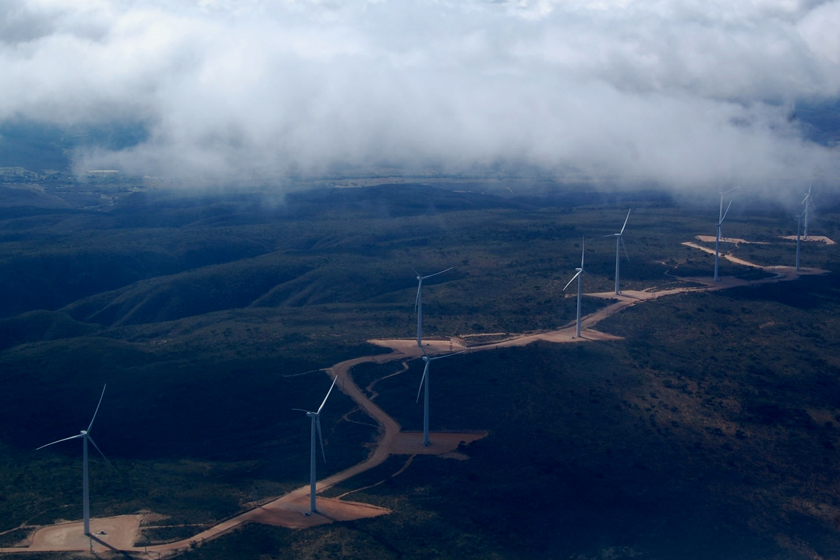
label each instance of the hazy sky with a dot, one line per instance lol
(690, 93)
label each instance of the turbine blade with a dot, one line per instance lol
(436, 273)
(447, 355)
(625, 222)
(320, 437)
(582, 252)
(60, 440)
(90, 439)
(417, 297)
(625, 249)
(572, 280)
(422, 380)
(97, 407)
(301, 410)
(727, 211)
(328, 394)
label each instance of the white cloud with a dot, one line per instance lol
(683, 93)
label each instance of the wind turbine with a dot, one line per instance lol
(85, 436)
(807, 201)
(619, 241)
(316, 425)
(425, 380)
(798, 236)
(580, 273)
(418, 303)
(721, 217)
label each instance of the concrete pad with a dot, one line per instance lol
(120, 532)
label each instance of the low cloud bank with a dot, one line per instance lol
(685, 94)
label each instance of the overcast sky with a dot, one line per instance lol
(686, 93)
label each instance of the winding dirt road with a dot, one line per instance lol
(120, 533)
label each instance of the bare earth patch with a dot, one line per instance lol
(811, 239)
(737, 241)
(113, 532)
(293, 513)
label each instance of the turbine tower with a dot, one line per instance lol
(579, 275)
(721, 217)
(424, 381)
(316, 425)
(807, 201)
(798, 234)
(85, 436)
(619, 243)
(418, 303)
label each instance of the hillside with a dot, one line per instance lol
(205, 313)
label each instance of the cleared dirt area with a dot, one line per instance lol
(811, 239)
(295, 514)
(736, 240)
(119, 533)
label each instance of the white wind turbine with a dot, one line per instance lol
(85, 436)
(316, 425)
(798, 234)
(619, 243)
(721, 217)
(425, 381)
(808, 202)
(418, 303)
(579, 276)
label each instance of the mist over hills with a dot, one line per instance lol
(39, 147)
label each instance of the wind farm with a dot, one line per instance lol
(609, 348)
(223, 211)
